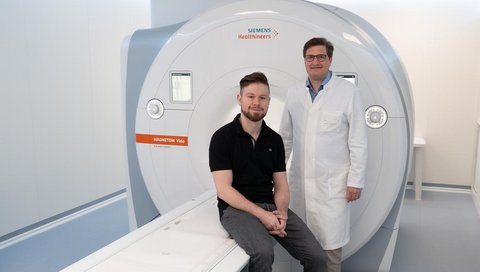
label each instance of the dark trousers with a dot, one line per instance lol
(251, 235)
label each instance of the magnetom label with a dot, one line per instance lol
(162, 139)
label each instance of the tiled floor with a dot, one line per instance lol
(439, 233)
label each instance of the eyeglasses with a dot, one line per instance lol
(320, 58)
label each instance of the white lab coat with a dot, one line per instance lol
(329, 142)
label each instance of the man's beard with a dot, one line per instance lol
(254, 117)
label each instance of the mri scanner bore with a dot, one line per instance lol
(181, 83)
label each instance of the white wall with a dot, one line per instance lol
(476, 185)
(61, 142)
(438, 42)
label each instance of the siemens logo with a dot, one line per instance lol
(258, 33)
(259, 30)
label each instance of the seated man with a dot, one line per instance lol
(247, 160)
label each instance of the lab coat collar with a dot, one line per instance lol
(324, 82)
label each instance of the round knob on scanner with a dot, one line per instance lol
(155, 108)
(376, 116)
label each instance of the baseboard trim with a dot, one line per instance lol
(447, 188)
(52, 222)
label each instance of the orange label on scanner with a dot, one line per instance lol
(162, 139)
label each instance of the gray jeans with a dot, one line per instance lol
(251, 235)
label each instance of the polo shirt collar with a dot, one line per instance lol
(239, 129)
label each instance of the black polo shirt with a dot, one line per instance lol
(252, 162)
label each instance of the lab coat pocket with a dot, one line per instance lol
(337, 182)
(330, 121)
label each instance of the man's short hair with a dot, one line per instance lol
(319, 41)
(255, 77)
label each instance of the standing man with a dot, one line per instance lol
(247, 160)
(324, 126)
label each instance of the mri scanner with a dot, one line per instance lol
(180, 86)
